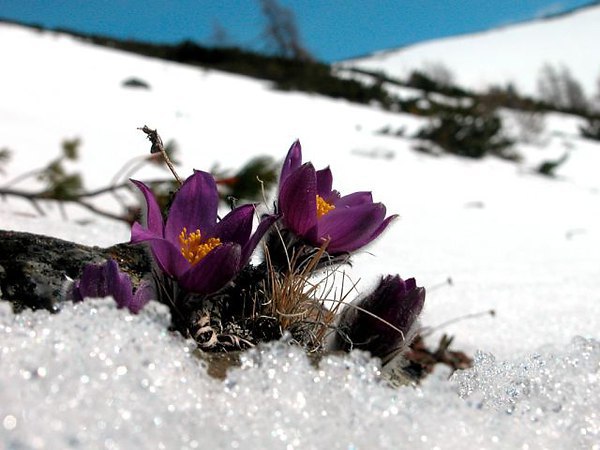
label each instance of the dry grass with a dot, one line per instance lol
(299, 300)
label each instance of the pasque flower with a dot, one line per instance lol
(103, 280)
(382, 322)
(201, 253)
(314, 211)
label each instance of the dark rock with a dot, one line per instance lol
(34, 268)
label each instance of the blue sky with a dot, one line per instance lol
(330, 29)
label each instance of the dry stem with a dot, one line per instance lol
(295, 301)
(158, 147)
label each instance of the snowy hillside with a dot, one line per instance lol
(509, 54)
(513, 241)
(477, 219)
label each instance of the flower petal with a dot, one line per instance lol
(292, 161)
(154, 219)
(194, 207)
(410, 309)
(167, 256)
(380, 229)
(235, 226)
(141, 234)
(214, 271)
(324, 182)
(92, 283)
(354, 199)
(118, 284)
(145, 292)
(298, 202)
(251, 244)
(410, 284)
(351, 228)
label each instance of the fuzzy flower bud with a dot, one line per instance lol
(383, 322)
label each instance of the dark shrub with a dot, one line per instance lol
(591, 129)
(135, 83)
(467, 133)
(548, 168)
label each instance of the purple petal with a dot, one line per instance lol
(410, 284)
(236, 226)
(214, 271)
(351, 228)
(154, 219)
(381, 228)
(298, 202)
(324, 182)
(263, 227)
(354, 199)
(93, 282)
(118, 284)
(143, 295)
(411, 308)
(141, 234)
(166, 254)
(194, 207)
(399, 302)
(292, 161)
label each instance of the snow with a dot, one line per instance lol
(94, 376)
(513, 53)
(511, 240)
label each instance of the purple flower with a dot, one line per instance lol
(106, 279)
(316, 212)
(201, 253)
(362, 324)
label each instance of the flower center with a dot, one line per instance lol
(192, 247)
(323, 207)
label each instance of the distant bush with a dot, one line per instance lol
(286, 73)
(135, 83)
(509, 97)
(421, 80)
(250, 182)
(548, 168)
(591, 130)
(467, 133)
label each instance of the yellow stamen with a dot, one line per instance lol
(192, 247)
(323, 207)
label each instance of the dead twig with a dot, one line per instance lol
(35, 197)
(158, 147)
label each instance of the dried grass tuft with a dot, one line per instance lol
(298, 299)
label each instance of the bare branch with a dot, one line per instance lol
(158, 147)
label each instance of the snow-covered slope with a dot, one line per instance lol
(513, 53)
(513, 241)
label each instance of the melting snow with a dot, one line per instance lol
(94, 376)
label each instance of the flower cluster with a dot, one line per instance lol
(205, 259)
